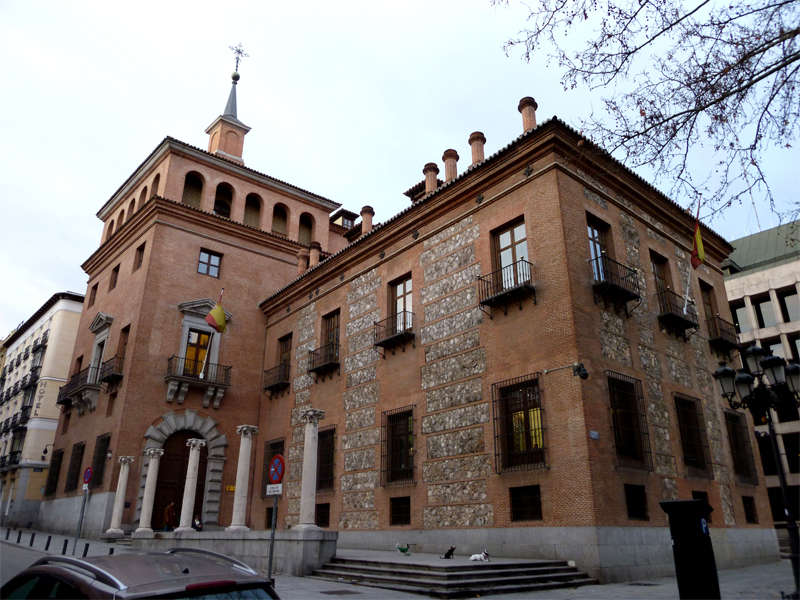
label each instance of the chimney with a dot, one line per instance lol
(477, 140)
(430, 171)
(302, 261)
(366, 219)
(527, 106)
(450, 158)
(313, 259)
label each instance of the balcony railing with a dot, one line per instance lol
(14, 458)
(614, 282)
(34, 374)
(394, 331)
(180, 366)
(671, 311)
(324, 359)
(21, 418)
(510, 283)
(6, 426)
(3, 462)
(722, 335)
(277, 378)
(40, 342)
(63, 395)
(111, 370)
(26, 382)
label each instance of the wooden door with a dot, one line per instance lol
(172, 478)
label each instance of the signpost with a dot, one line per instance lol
(277, 467)
(87, 477)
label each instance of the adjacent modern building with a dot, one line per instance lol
(38, 356)
(762, 281)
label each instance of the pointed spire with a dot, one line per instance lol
(226, 133)
(230, 107)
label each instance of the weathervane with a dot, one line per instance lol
(240, 54)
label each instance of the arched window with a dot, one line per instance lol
(192, 190)
(223, 201)
(143, 197)
(279, 219)
(304, 235)
(110, 229)
(121, 219)
(154, 187)
(252, 211)
(131, 208)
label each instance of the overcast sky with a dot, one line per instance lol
(347, 99)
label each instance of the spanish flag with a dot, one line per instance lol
(698, 254)
(216, 318)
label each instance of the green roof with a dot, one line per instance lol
(766, 249)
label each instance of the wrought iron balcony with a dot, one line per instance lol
(14, 458)
(614, 282)
(26, 354)
(183, 373)
(671, 312)
(14, 421)
(6, 426)
(40, 342)
(111, 370)
(3, 372)
(21, 418)
(509, 284)
(81, 391)
(34, 374)
(26, 382)
(394, 331)
(15, 389)
(324, 360)
(722, 335)
(63, 396)
(3, 462)
(277, 378)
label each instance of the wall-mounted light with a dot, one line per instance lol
(578, 370)
(109, 454)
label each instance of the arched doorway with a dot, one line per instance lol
(172, 477)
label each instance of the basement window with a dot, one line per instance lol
(636, 500)
(526, 503)
(400, 510)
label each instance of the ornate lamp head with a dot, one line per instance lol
(726, 376)
(774, 368)
(751, 357)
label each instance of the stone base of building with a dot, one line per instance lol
(296, 552)
(610, 554)
(62, 515)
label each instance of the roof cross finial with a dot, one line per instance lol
(240, 54)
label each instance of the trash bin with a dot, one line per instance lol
(695, 567)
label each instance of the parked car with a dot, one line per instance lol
(176, 573)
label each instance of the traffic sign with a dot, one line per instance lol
(87, 475)
(277, 467)
(275, 490)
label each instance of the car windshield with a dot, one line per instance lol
(249, 593)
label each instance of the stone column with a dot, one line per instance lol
(308, 491)
(242, 478)
(190, 489)
(119, 499)
(146, 515)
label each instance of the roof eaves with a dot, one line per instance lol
(38, 314)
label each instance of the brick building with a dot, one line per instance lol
(446, 347)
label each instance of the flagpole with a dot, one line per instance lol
(205, 358)
(689, 274)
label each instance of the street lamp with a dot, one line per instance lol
(766, 383)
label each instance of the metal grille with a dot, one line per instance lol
(271, 449)
(71, 483)
(608, 270)
(52, 474)
(510, 277)
(526, 503)
(744, 466)
(99, 460)
(397, 446)
(696, 455)
(400, 510)
(631, 440)
(518, 428)
(398, 324)
(200, 369)
(326, 448)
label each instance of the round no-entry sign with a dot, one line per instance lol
(277, 467)
(87, 475)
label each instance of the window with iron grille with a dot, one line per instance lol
(636, 501)
(692, 425)
(271, 449)
(326, 448)
(52, 474)
(400, 510)
(99, 460)
(698, 495)
(744, 466)
(749, 509)
(73, 471)
(519, 433)
(526, 503)
(397, 446)
(631, 439)
(322, 516)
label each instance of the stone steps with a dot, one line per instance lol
(125, 540)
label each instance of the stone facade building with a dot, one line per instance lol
(762, 282)
(38, 358)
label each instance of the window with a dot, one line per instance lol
(397, 455)
(749, 504)
(192, 190)
(790, 306)
(329, 353)
(196, 352)
(285, 350)
(279, 220)
(709, 301)
(519, 434)
(703, 496)
(52, 474)
(511, 246)
(694, 441)
(660, 269)
(209, 263)
(112, 283)
(401, 306)
(92, 295)
(305, 229)
(765, 312)
(73, 471)
(268, 518)
(400, 510)
(122, 344)
(741, 320)
(526, 503)
(99, 460)
(744, 467)
(322, 515)
(271, 449)
(347, 222)
(138, 258)
(636, 501)
(223, 201)
(326, 447)
(630, 422)
(775, 346)
(597, 246)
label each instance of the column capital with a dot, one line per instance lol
(196, 443)
(247, 431)
(126, 460)
(154, 452)
(312, 415)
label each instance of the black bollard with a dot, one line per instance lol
(19, 536)
(86, 550)
(33, 535)
(110, 551)
(47, 545)
(64, 550)
(8, 532)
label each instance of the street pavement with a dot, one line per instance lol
(758, 582)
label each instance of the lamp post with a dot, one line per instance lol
(778, 383)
